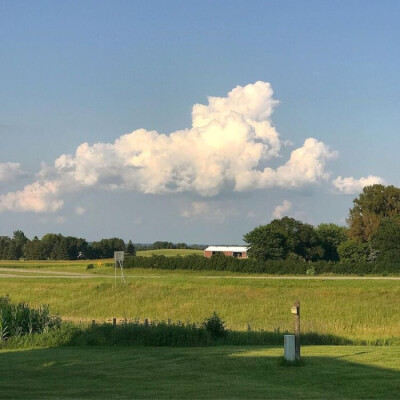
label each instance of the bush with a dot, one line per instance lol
(90, 266)
(215, 326)
(310, 271)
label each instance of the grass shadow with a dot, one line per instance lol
(198, 373)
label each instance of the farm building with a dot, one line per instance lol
(233, 251)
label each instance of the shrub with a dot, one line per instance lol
(311, 271)
(90, 266)
(215, 326)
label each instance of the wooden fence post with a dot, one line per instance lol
(296, 311)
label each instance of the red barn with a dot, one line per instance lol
(233, 251)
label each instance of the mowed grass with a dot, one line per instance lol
(328, 372)
(355, 309)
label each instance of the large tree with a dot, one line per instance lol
(302, 239)
(331, 236)
(386, 240)
(373, 205)
(284, 237)
(266, 243)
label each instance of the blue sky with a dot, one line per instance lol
(90, 72)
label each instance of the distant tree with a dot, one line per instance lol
(353, 251)
(130, 248)
(33, 249)
(60, 251)
(373, 205)
(49, 241)
(301, 238)
(20, 240)
(162, 245)
(331, 236)
(12, 253)
(105, 248)
(5, 243)
(75, 246)
(266, 243)
(386, 240)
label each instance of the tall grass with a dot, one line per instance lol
(362, 310)
(20, 319)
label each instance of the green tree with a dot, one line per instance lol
(375, 203)
(130, 248)
(60, 251)
(301, 238)
(331, 236)
(386, 240)
(266, 243)
(5, 243)
(33, 249)
(20, 240)
(105, 248)
(353, 251)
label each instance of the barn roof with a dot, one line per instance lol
(237, 249)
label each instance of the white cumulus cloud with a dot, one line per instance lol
(228, 148)
(281, 209)
(36, 197)
(350, 185)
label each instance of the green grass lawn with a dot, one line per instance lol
(355, 309)
(349, 372)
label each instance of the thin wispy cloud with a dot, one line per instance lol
(10, 171)
(210, 211)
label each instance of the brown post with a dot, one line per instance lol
(297, 328)
(114, 321)
(93, 322)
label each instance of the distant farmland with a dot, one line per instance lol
(169, 252)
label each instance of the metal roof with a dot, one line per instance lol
(236, 249)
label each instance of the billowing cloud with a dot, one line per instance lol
(351, 185)
(37, 197)
(9, 171)
(228, 148)
(281, 210)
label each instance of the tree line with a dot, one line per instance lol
(372, 233)
(58, 247)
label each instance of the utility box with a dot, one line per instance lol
(290, 347)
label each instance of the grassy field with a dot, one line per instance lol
(364, 310)
(199, 373)
(169, 252)
(354, 309)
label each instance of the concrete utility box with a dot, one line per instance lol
(290, 347)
